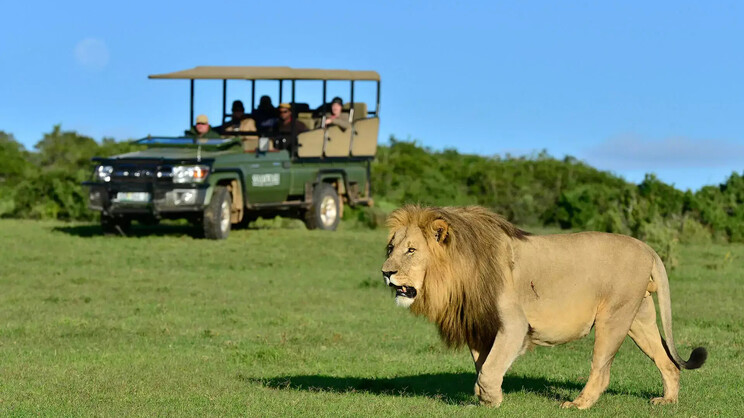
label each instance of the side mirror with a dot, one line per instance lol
(263, 144)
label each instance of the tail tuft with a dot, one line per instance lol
(697, 358)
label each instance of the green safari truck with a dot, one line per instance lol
(289, 159)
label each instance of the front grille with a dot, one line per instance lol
(141, 172)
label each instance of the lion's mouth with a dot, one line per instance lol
(405, 291)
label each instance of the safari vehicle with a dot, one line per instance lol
(223, 182)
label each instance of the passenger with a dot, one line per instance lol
(337, 116)
(284, 126)
(265, 115)
(285, 120)
(239, 121)
(202, 130)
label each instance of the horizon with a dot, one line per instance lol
(630, 89)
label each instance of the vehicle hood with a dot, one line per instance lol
(176, 153)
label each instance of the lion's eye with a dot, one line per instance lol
(411, 251)
(389, 249)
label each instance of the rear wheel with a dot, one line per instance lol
(216, 219)
(112, 225)
(325, 212)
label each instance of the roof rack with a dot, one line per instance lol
(267, 73)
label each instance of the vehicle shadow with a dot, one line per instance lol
(136, 231)
(450, 388)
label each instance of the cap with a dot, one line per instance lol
(285, 106)
(337, 100)
(202, 119)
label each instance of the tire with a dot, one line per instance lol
(325, 212)
(112, 225)
(216, 219)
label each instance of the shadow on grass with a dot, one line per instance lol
(450, 388)
(88, 231)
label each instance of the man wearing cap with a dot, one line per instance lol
(202, 130)
(337, 116)
(285, 120)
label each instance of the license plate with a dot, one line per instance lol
(133, 197)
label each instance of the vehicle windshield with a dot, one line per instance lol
(184, 141)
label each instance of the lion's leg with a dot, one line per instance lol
(478, 361)
(505, 349)
(645, 333)
(610, 329)
(479, 356)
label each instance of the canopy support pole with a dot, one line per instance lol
(377, 108)
(191, 105)
(224, 101)
(253, 95)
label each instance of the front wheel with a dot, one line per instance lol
(325, 212)
(216, 219)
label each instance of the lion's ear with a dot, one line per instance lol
(440, 228)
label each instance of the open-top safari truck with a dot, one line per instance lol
(231, 180)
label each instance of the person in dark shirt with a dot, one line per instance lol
(285, 120)
(265, 114)
(239, 121)
(284, 127)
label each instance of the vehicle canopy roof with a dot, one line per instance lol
(267, 73)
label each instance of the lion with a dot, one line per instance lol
(500, 290)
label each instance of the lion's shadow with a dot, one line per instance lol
(450, 388)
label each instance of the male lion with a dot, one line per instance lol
(500, 290)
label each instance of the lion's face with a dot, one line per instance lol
(408, 256)
(405, 267)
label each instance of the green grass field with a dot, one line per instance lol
(294, 322)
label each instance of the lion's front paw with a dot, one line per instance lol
(579, 403)
(490, 398)
(568, 404)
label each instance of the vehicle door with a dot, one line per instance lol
(268, 177)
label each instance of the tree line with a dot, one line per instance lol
(529, 190)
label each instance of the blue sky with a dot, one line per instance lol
(631, 87)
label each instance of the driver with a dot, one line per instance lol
(202, 129)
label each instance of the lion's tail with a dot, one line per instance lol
(659, 276)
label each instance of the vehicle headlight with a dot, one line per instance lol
(103, 173)
(190, 173)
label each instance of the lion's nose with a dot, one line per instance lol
(387, 274)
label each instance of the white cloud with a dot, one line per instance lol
(92, 54)
(634, 152)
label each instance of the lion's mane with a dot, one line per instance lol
(467, 270)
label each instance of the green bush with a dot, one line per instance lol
(693, 232)
(662, 236)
